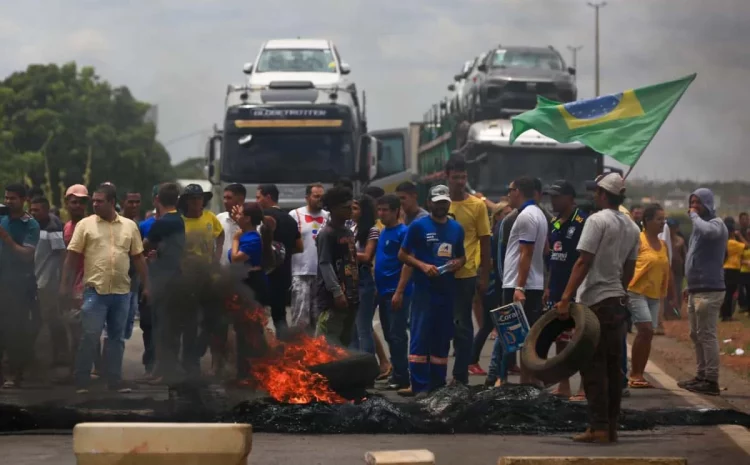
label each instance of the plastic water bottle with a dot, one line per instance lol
(443, 269)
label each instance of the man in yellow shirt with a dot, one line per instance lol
(732, 268)
(105, 242)
(471, 213)
(204, 242)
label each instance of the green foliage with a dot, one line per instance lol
(62, 125)
(192, 168)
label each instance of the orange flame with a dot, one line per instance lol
(283, 371)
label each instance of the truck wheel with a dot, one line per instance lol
(580, 349)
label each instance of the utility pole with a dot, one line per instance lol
(596, 7)
(574, 50)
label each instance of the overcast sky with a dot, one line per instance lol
(181, 54)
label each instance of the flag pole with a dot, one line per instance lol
(628, 173)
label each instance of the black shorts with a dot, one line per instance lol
(533, 306)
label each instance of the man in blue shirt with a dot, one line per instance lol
(434, 248)
(19, 235)
(393, 283)
(564, 232)
(145, 309)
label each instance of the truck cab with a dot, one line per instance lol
(289, 133)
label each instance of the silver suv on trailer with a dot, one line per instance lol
(509, 79)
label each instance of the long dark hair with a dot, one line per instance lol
(366, 218)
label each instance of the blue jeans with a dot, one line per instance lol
(97, 310)
(463, 338)
(394, 324)
(132, 312)
(363, 338)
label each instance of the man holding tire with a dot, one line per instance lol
(608, 250)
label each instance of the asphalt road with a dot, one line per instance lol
(701, 445)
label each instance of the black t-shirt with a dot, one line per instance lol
(336, 247)
(287, 233)
(168, 236)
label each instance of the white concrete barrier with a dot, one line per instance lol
(162, 443)
(592, 461)
(400, 457)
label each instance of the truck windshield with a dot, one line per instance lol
(286, 158)
(492, 174)
(296, 61)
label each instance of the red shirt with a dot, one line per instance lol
(78, 283)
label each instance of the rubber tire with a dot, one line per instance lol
(579, 351)
(352, 373)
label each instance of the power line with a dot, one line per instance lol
(186, 136)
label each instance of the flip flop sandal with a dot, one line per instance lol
(578, 398)
(639, 384)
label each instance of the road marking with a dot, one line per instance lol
(738, 434)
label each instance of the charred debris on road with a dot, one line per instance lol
(510, 409)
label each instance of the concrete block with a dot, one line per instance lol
(162, 443)
(592, 461)
(400, 457)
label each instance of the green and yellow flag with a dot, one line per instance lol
(619, 125)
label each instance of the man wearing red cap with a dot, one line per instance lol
(76, 200)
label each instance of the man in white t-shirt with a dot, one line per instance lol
(608, 250)
(234, 194)
(310, 220)
(523, 268)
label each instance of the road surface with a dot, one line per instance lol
(702, 445)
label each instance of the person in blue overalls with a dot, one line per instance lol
(434, 248)
(564, 232)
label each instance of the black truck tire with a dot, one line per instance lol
(356, 372)
(580, 349)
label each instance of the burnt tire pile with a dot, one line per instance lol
(579, 351)
(511, 409)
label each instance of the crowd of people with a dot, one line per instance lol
(338, 259)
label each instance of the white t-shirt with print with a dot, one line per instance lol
(530, 227)
(309, 224)
(230, 228)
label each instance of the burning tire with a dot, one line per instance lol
(354, 373)
(579, 351)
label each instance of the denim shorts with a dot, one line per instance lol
(643, 309)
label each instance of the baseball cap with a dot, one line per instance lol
(77, 190)
(610, 182)
(561, 187)
(440, 193)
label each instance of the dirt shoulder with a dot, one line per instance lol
(674, 354)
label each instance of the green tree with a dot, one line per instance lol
(62, 125)
(192, 168)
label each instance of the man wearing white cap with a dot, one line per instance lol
(608, 250)
(434, 249)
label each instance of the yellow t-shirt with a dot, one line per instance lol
(201, 234)
(651, 276)
(734, 255)
(472, 215)
(745, 268)
(625, 211)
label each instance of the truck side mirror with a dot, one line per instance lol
(368, 151)
(482, 67)
(213, 148)
(247, 68)
(345, 68)
(572, 71)
(452, 87)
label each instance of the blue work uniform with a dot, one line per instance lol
(432, 300)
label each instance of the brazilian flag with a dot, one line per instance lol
(619, 125)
